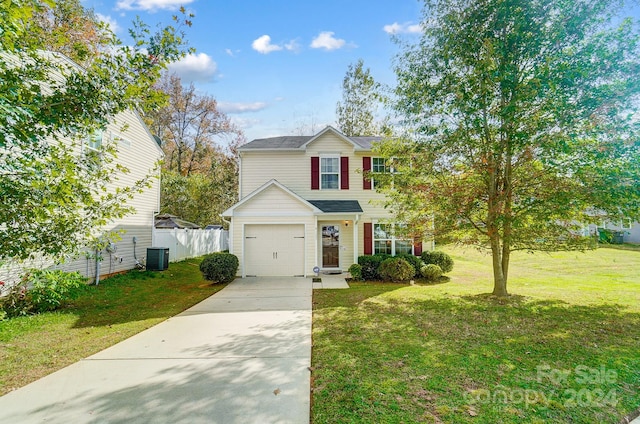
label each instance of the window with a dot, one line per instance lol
(122, 141)
(329, 173)
(380, 166)
(385, 242)
(94, 140)
(92, 149)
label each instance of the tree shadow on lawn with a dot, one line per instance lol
(456, 345)
(138, 296)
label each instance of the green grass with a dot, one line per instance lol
(34, 346)
(565, 347)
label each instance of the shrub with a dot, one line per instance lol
(395, 269)
(51, 288)
(219, 267)
(414, 261)
(439, 258)
(431, 272)
(16, 303)
(356, 272)
(370, 265)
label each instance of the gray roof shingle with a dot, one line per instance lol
(333, 206)
(297, 141)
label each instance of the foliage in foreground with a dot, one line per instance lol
(53, 199)
(567, 352)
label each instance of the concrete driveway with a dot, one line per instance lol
(240, 356)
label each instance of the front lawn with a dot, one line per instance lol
(565, 347)
(34, 346)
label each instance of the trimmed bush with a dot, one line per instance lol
(370, 265)
(415, 261)
(431, 272)
(395, 269)
(439, 258)
(356, 272)
(219, 267)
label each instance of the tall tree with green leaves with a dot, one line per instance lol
(356, 112)
(522, 123)
(200, 172)
(54, 199)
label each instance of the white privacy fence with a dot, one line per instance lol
(189, 243)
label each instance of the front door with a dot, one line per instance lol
(330, 246)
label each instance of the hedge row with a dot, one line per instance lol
(402, 267)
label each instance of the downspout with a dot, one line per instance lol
(98, 266)
(230, 240)
(356, 245)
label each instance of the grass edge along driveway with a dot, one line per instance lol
(34, 346)
(565, 347)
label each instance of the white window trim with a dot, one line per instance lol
(320, 173)
(87, 139)
(392, 237)
(391, 170)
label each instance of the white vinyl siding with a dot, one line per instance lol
(141, 162)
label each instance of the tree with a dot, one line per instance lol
(522, 122)
(359, 102)
(189, 126)
(68, 28)
(200, 177)
(53, 200)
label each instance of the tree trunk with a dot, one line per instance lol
(499, 276)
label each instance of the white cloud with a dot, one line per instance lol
(151, 5)
(238, 107)
(293, 46)
(111, 23)
(263, 45)
(405, 28)
(199, 67)
(326, 40)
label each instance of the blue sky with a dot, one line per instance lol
(276, 66)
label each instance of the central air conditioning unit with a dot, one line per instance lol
(157, 258)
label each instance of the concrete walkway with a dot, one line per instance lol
(240, 356)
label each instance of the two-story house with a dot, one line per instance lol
(305, 202)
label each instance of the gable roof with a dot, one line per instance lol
(300, 142)
(270, 183)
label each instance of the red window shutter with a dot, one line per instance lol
(366, 167)
(315, 173)
(417, 247)
(368, 238)
(344, 173)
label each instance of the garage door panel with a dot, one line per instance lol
(275, 249)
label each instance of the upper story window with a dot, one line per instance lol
(380, 166)
(92, 149)
(329, 173)
(94, 140)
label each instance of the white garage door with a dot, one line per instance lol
(276, 249)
